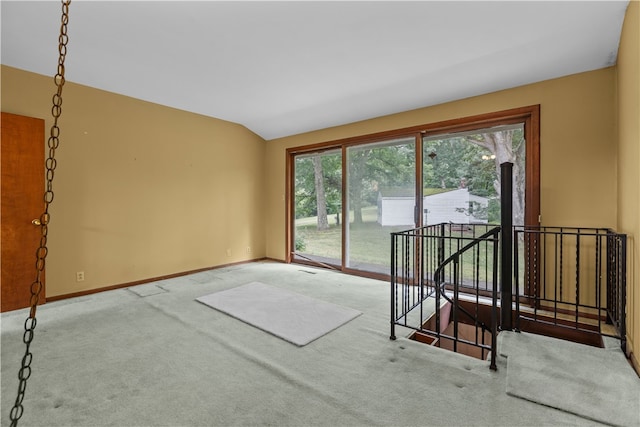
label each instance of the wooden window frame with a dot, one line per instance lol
(529, 116)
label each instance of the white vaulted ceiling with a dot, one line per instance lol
(282, 68)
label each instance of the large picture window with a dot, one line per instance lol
(346, 196)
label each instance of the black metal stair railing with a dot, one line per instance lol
(616, 301)
(571, 278)
(457, 309)
(429, 268)
(568, 282)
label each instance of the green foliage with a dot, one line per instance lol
(370, 167)
(458, 162)
(305, 190)
(376, 166)
(493, 211)
(300, 244)
(432, 191)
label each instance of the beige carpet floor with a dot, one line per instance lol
(154, 356)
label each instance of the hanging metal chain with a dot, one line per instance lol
(41, 253)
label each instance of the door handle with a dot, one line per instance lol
(43, 220)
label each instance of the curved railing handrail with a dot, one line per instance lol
(436, 275)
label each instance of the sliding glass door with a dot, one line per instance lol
(381, 198)
(317, 194)
(345, 197)
(461, 184)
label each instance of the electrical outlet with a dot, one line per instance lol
(248, 250)
(228, 252)
(80, 276)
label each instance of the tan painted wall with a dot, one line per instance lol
(628, 76)
(578, 148)
(142, 190)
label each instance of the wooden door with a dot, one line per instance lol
(22, 188)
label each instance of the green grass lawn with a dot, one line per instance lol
(369, 242)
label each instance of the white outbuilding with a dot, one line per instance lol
(396, 207)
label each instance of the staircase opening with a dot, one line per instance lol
(467, 333)
(562, 282)
(433, 269)
(584, 332)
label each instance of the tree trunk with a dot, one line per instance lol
(501, 144)
(356, 183)
(321, 199)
